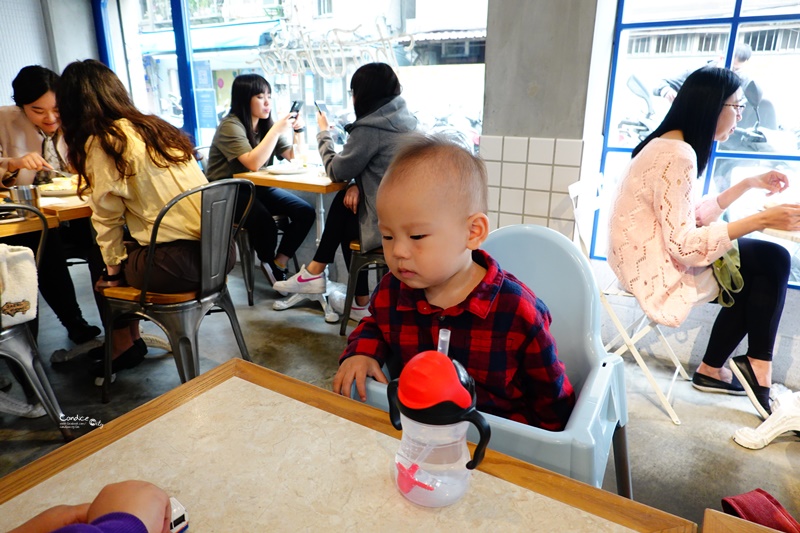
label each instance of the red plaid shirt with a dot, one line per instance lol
(500, 334)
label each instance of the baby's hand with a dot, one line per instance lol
(357, 368)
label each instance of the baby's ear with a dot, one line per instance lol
(478, 224)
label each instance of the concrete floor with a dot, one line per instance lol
(680, 469)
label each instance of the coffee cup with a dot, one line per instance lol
(26, 195)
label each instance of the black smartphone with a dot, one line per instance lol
(321, 107)
(296, 106)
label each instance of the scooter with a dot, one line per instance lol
(635, 131)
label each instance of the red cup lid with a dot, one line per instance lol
(429, 379)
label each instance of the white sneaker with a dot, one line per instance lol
(303, 283)
(337, 299)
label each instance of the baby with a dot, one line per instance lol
(432, 206)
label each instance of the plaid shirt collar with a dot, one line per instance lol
(479, 302)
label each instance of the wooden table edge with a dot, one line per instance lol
(274, 180)
(718, 522)
(612, 507)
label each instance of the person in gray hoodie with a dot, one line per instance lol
(382, 117)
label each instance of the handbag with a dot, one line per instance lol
(729, 279)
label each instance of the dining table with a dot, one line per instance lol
(244, 448)
(309, 179)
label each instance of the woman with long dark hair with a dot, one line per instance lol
(132, 165)
(381, 118)
(662, 244)
(248, 139)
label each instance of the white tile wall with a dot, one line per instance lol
(491, 148)
(513, 175)
(541, 151)
(511, 201)
(539, 177)
(493, 170)
(568, 152)
(529, 179)
(515, 149)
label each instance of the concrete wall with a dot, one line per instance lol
(537, 67)
(70, 31)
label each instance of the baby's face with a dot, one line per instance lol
(424, 235)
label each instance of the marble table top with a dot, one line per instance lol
(241, 457)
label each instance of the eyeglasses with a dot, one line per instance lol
(350, 93)
(738, 107)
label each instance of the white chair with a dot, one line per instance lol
(557, 272)
(587, 197)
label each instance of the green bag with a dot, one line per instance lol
(726, 270)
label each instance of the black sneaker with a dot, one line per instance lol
(80, 331)
(99, 352)
(275, 274)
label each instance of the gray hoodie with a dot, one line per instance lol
(365, 158)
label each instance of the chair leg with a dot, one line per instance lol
(296, 264)
(622, 465)
(246, 257)
(181, 329)
(226, 304)
(629, 345)
(349, 295)
(20, 346)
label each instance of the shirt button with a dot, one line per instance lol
(441, 319)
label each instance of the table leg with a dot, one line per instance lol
(320, 217)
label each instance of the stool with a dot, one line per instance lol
(246, 255)
(358, 261)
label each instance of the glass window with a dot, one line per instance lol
(308, 51)
(658, 46)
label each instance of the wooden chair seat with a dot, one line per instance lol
(356, 247)
(133, 294)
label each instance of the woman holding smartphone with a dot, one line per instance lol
(248, 139)
(381, 118)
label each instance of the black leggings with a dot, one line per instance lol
(262, 228)
(757, 309)
(341, 227)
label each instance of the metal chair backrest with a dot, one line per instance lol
(5, 208)
(559, 274)
(218, 206)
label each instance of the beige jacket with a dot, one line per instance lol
(136, 201)
(18, 136)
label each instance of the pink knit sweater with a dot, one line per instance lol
(660, 242)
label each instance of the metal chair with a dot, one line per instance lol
(180, 315)
(17, 342)
(587, 197)
(246, 254)
(558, 273)
(358, 261)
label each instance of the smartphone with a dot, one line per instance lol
(321, 107)
(296, 106)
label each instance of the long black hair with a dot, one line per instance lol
(31, 83)
(91, 99)
(373, 86)
(245, 87)
(696, 109)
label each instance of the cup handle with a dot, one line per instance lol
(485, 433)
(394, 411)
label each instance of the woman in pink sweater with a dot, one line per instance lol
(662, 243)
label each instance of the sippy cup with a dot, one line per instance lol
(433, 402)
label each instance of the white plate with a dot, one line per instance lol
(11, 220)
(65, 192)
(61, 187)
(286, 169)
